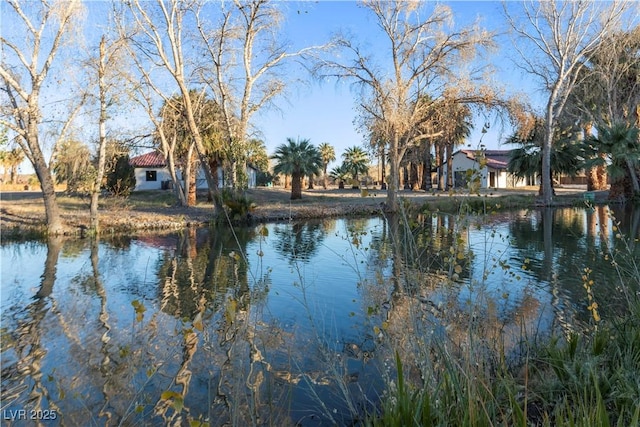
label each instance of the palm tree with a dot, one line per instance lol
(356, 161)
(328, 155)
(11, 160)
(566, 155)
(340, 174)
(619, 142)
(297, 159)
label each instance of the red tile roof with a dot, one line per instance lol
(152, 159)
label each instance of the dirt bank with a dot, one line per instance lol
(24, 210)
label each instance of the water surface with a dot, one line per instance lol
(285, 323)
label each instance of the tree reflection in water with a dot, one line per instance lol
(560, 243)
(22, 374)
(206, 325)
(299, 241)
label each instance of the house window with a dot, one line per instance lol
(152, 176)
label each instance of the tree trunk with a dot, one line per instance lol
(102, 141)
(178, 185)
(296, 186)
(310, 187)
(426, 168)
(591, 173)
(413, 176)
(592, 178)
(618, 191)
(51, 208)
(383, 173)
(633, 177)
(168, 151)
(547, 195)
(233, 175)
(214, 165)
(449, 183)
(392, 189)
(14, 174)
(405, 178)
(440, 160)
(324, 180)
(191, 178)
(601, 174)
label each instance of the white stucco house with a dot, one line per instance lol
(492, 175)
(152, 173)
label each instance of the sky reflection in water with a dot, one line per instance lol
(183, 326)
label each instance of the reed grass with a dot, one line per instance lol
(590, 377)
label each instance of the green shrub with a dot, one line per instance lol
(237, 205)
(121, 180)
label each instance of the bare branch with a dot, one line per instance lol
(422, 62)
(564, 34)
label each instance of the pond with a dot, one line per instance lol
(289, 323)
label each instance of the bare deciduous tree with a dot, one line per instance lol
(108, 68)
(562, 34)
(29, 49)
(615, 77)
(158, 41)
(244, 56)
(424, 56)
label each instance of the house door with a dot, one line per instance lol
(460, 179)
(492, 179)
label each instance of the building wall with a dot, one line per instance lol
(515, 182)
(201, 179)
(201, 182)
(162, 174)
(489, 177)
(496, 178)
(144, 179)
(461, 163)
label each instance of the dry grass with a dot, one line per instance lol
(155, 210)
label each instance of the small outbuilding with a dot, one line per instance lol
(152, 173)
